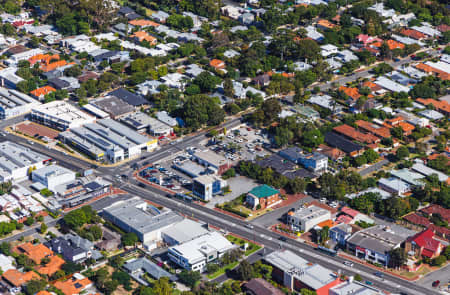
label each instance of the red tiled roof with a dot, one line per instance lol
(344, 219)
(42, 91)
(217, 63)
(442, 106)
(417, 219)
(143, 23)
(433, 209)
(18, 278)
(392, 44)
(425, 240)
(349, 211)
(443, 28)
(355, 134)
(373, 128)
(429, 69)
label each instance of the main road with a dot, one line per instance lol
(270, 240)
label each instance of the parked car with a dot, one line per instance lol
(348, 263)
(283, 239)
(248, 225)
(436, 283)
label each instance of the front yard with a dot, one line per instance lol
(251, 248)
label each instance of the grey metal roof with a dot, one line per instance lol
(149, 267)
(129, 97)
(379, 238)
(141, 220)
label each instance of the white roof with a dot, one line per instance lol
(185, 231)
(431, 114)
(354, 288)
(425, 170)
(391, 85)
(65, 112)
(195, 250)
(440, 65)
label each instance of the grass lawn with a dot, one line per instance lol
(222, 270)
(252, 247)
(422, 271)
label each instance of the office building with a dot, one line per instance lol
(306, 218)
(16, 160)
(144, 123)
(296, 273)
(52, 176)
(60, 115)
(315, 161)
(262, 197)
(137, 216)
(212, 161)
(14, 103)
(206, 186)
(374, 243)
(196, 254)
(110, 138)
(116, 108)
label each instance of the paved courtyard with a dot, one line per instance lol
(239, 185)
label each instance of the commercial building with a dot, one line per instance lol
(315, 162)
(374, 243)
(262, 197)
(25, 55)
(9, 78)
(14, 103)
(196, 254)
(296, 273)
(306, 218)
(206, 186)
(116, 108)
(129, 97)
(52, 176)
(110, 138)
(146, 221)
(212, 161)
(183, 232)
(60, 115)
(340, 233)
(355, 288)
(144, 123)
(16, 160)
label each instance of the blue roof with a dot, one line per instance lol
(263, 191)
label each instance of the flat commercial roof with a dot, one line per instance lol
(64, 111)
(140, 216)
(211, 157)
(185, 230)
(129, 97)
(310, 212)
(313, 275)
(123, 131)
(14, 156)
(96, 111)
(195, 250)
(113, 105)
(140, 121)
(10, 98)
(52, 170)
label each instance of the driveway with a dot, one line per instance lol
(374, 167)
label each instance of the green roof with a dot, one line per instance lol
(263, 191)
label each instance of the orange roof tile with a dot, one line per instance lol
(47, 67)
(353, 92)
(42, 91)
(326, 24)
(355, 134)
(53, 266)
(442, 106)
(328, 223)
(72, 285)
(142, 35)
(18, 278)
(406, 126)
(392, 44)
(413, 34)
(34, 252)
(373, 128)
(429, 69)
(217, 63)
(44, 293)
(143, 23)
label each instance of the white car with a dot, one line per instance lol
(348, 263)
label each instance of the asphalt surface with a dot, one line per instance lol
(366, 73)
(374, 167)
(270, 240)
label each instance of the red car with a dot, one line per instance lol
(436, 283)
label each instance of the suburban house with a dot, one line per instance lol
(262, 197)
(423, 244)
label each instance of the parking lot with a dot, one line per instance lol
(240, 144)
(164, 175)
(239, 185)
